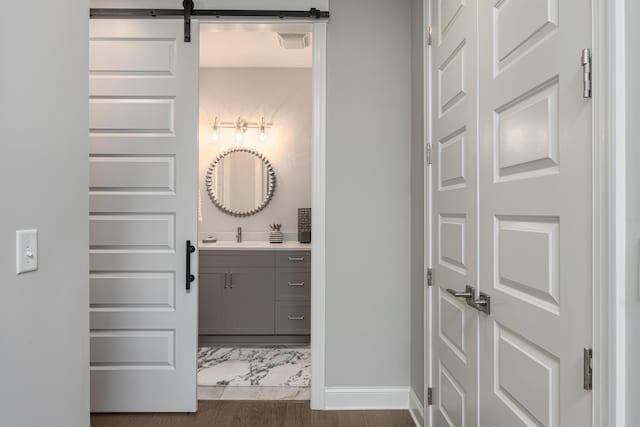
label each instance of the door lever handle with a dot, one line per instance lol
(483, 303)
(469, 292)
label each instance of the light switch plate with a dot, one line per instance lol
(26, 251)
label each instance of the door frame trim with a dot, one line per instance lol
(428, 176)
(318, 213)
(609, 207)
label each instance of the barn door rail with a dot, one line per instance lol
(188, 11)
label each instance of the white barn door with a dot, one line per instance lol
(143, 114)
(535, 212)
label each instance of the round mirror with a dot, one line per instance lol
(241, 181)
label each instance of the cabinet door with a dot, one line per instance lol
(249, 302)
(211, 302)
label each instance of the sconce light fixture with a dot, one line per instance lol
(241, 126)
(263, 132)
(215, 134)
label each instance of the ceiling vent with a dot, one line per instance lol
(294, 40)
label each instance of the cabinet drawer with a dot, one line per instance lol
(293, 284)
(293, 259)
(217, 259)
(293, 318)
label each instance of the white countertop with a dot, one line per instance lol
(254, 246)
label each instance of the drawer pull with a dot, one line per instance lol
(296, 258)
(295, 317)
(296, 284)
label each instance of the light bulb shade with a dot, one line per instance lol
(239, 135)
(263, 136)
(215, 135)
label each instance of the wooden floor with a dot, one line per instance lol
(220, 413)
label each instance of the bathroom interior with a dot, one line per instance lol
(254, 213)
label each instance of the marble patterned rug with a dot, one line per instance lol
(254, 366)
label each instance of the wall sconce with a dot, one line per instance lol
(241, 126)
(263, 133)
(215, 134)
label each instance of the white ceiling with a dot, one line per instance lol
(249, 49)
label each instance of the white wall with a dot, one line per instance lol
(282, 96)
(368, 193)
(633, 213)
(44, 316)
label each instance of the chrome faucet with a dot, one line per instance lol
(239, 235)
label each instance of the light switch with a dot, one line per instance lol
(26, 251)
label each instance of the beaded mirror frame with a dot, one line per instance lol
(209, 182)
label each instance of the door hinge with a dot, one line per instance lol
(428, 35)
(430, 396)
(429, 276)
(588, 369)
(428, 154)
(586, 73)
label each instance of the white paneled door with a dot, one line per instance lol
(455, 210)
(512, 212)
(535, 216)
(143, 114)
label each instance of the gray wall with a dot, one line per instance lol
(44, 318)
(417, 200)
(633, 212)
(282, 96)
(368, 193)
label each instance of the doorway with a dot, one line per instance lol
(144, 215)
(254, 221)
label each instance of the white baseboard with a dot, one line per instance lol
(416, 409)
(338, 398)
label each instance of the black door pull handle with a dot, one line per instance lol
(190, 277)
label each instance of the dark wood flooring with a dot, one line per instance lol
(223, 413)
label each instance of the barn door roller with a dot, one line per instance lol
(188, 11)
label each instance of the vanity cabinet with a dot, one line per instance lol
(264, 292)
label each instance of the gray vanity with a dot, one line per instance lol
(255, 288)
